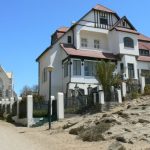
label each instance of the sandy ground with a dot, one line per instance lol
(20, 138)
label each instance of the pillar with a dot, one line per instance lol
(60, 106)
(101, 97)
(29, 110)
(142, 82)
(124, 89)
(119, 96)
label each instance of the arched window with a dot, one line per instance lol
(128, 42)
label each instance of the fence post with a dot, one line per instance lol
(3, 104)
(18, 101)
(119, 96)
(101, 97)
(94, 96)
(142, 82)
(124, 89)
(11, 103)
(29, 110)
(60, 105)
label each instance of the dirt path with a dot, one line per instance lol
(20, 138)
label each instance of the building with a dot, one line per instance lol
(99, 35)
(6, 84)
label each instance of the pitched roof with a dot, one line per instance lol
(118, 28)
(144, 45)
(144, 58)
(63, 29)
(71, 50)
(102, 8)
(142, 37)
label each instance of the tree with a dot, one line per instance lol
(104, 74)
(26, 91)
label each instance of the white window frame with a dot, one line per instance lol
(76, 74)
(92, 72)
(97, 44)
(84, 42)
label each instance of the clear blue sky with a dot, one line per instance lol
(26, 27)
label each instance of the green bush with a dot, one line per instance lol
(134, 95)
(94, 133)
(147, 89)
(40, 113)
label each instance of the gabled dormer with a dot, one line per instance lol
(124, 25)
(104, 18)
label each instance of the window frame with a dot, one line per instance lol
(128, 42)
(129, 69)
(69, 39)
(96, 45)
(75, 72)
(66, 70)
(92, 72)
(84, 42)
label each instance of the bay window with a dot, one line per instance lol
(77, 67)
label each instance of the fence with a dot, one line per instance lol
(25, 110)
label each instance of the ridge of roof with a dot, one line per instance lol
(103, 8)
(123, 18)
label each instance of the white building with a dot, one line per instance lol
(99, 35)
(6, 84)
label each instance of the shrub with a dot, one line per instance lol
(94, 133)
(147, 89)
(40, 113)
(75, 131)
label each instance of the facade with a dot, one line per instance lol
(6, 84)
(99, 35)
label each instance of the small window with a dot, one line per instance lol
(44, 75)
(128, 42)
(144, 52)
(96, 44)
(77, 67)
(65, 69)
(104, 21)
(84, 42)
(69, 40)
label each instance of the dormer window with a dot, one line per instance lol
(128, 42)
(84, 42)
(96, 44)
(103, 20)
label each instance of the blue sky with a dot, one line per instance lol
(26, 27)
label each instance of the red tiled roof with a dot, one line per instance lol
(126, 30)
(144, 58)
(102, 8)
(144, 45)
(70, 50)
(143, 38)
(63, 29)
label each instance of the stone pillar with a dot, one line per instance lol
(124, 89)
(29, 110)
(11, 103)
(142, 82)
(18, 101)
(60, 106)
(119, 96)
(101, 97)
(94, 96)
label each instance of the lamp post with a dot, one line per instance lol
(50, 69)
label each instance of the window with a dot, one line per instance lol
(69, 40)
(128, 42)
(77, 67)
(89, 68)
(44, 76)
(84, 42)
(96, 44)
(131, 70)
(66, 69)
(104, 21)
(144, 52)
